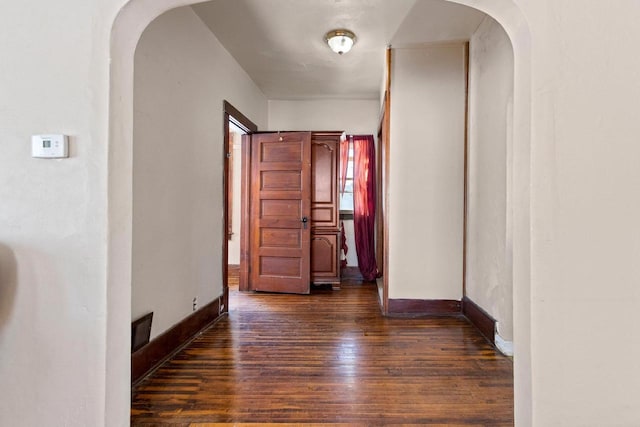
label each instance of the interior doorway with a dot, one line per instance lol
(125, 34)
(236, 124)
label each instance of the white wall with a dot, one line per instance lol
(236, 158)
(352, 116)
(53, 214)
(426, 172)
(489, 266)
(586, 205)
(352, 255)
(182, 75)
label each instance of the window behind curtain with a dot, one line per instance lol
(346, 199)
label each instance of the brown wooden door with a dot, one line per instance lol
(280, 205)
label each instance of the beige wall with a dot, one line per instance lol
(426, 172)
(64, 265)
(586, 205)
(489, 266)
(182, 75)
(351, 116)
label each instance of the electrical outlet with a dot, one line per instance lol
(195, 303)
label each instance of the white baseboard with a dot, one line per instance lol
(505, 347)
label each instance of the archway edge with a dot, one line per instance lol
(127, 28)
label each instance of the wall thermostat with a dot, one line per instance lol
(50, 146)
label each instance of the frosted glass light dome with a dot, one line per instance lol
(340, 41)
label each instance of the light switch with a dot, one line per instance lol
(50, 146)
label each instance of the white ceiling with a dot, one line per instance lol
(280, 44)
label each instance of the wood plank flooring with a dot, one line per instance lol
(328, 358)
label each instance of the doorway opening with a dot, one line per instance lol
(236, 124)
(130, 23)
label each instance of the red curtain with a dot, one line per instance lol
(344, 160)
(364, 204)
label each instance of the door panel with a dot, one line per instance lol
(280, 199)
(281, 180)
(280, 238)
(281, 210)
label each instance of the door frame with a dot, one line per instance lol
(229, 113)
(382, 188)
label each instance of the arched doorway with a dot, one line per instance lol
(127, 29)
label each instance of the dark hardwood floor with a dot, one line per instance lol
(329, 358)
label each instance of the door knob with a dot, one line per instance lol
(304, 222)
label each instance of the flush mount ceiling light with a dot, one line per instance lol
(340, 41)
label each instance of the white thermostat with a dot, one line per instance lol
(50, 146)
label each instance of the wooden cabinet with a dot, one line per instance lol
(325, 208)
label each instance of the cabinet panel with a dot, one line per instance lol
(325, 263)
(323, 158)
(321, 216)
(324, 180)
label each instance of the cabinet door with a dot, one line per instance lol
(325, 264)
(324, 181)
